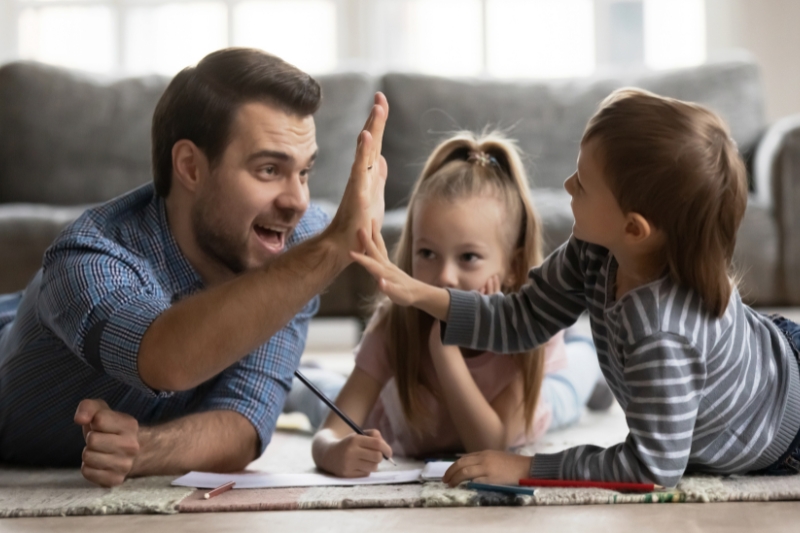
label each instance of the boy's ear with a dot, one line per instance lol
(189, 164)
(637, 228)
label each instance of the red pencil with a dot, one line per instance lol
(610, 485)
(219, 490)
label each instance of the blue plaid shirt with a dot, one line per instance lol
(74, 333)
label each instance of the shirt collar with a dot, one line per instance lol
(183, 279)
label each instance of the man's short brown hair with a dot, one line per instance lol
(201, 102)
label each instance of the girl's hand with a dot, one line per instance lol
(357, 455)
(392, 281)
(435, 345)
(490, 466)
(492, 285)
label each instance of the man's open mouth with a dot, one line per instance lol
(272, 238)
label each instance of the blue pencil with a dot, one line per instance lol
(511, 489)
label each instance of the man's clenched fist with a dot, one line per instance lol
(112, 442)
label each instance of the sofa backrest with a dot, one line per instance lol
(67, 138)
(547, 118)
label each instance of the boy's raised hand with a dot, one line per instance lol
(358, 455)
(489, 466)
(401, 288)
(392, 281)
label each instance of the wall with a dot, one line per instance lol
(770, 31)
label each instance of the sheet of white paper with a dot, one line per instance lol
(434, 470)
(261, 480)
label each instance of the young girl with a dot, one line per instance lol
(471, 226)
(706, 383)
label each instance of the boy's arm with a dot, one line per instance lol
(552, 301)
(665, 375)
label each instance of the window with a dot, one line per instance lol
(503, 38)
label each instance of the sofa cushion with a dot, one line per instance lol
(546, 117)
(67, 138)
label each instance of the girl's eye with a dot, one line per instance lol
(425, 253)
(469, 257)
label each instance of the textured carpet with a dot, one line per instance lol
(62, 492)
(695, 489)
(50, 492)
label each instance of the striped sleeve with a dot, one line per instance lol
(665, 375)
(511, 323)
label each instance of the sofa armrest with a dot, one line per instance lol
(26, 231)
(776, 175)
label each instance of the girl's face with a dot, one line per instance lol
(460, 244)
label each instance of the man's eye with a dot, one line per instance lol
(270, 170)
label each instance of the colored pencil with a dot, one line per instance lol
(219, 490)
(327, 401)
(511, 489)
(610, 485)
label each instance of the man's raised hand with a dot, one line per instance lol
(112, 442)
(363, 200)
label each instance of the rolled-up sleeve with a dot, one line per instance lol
(100, 305)
(256, 387)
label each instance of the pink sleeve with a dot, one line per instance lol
(555, 354)
(372, 357)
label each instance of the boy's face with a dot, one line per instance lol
(598, 217)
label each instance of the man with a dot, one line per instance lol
(162, 332)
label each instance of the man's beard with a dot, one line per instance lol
(216, 240)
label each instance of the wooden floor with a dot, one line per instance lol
(656, 518)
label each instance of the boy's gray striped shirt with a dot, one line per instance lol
(699, 393)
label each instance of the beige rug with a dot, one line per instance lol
(29, 492)
(62, 492)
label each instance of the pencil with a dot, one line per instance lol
(219, 490)
(610, 485)
(327, 401)
(511, 489)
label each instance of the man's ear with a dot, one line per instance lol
(189, 164)
(637, 228)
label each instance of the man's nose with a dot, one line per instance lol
(294, 195)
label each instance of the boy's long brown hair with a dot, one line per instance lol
(450, 174)
(675, 164)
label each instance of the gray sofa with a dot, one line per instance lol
(68, 140)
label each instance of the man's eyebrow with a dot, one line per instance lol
(273, 154)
